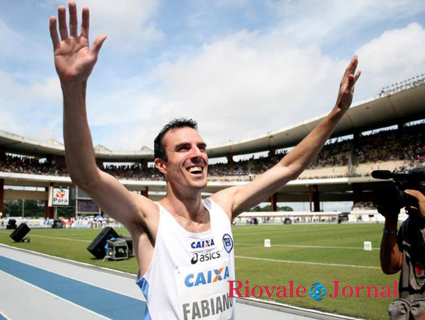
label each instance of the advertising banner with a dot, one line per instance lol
(60, 197)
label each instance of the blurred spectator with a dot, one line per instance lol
(363, 205)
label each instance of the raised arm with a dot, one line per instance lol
(238, 199)
(74, 62)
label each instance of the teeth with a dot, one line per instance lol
(195, 169)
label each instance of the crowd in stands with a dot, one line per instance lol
(407, 144)
(252, 166)
(363, 206)
(134, 172)
(333, 154)
(21, 164)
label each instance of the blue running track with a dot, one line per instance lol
(104, 302)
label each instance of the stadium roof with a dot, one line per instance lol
(399, 105)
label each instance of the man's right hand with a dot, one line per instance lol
(421, 201)
(74, 61)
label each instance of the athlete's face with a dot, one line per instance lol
(187, 163)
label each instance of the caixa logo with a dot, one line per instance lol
(202, 244)
(202, 257)
(206, 277)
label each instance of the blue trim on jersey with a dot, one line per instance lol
(144, 286)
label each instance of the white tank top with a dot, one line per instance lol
(189, 272)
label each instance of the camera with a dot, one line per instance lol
(392, 198)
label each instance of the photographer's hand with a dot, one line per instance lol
(390, 214)
(390, 256)
(421, 200)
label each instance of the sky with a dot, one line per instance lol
(239, 67)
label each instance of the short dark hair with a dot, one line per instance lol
(175, 124)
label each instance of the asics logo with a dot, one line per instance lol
(202, 257)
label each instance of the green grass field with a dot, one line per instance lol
(304, 254)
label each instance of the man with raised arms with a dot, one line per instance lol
(183, 244)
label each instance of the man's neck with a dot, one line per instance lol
(186, 206)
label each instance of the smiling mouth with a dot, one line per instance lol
(195, 170)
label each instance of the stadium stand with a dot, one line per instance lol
(396, 149)
(33, 170)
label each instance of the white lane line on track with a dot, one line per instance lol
(83, 264)
(239, 244)
(4, 316)
(303, 246)
(56, 296)
(66, 275)
(274, 260)
(61, 238)
(308, 262)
